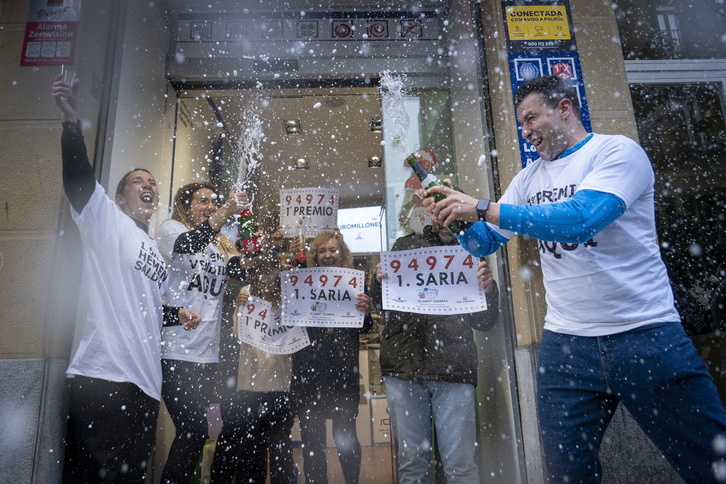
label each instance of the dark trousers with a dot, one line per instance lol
(186, 389)
(111, 432)
(255, 423)
(312, 431)
(656, 373)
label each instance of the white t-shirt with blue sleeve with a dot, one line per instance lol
(616, 281)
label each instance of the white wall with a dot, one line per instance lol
(138, 134)
(196, 134)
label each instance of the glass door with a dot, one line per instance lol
(319, 72)
(681, 126)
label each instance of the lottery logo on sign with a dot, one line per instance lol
(562, 70)
(319, 307)
(527, 68)
(427, 293)
(562, 67)
(432, 280)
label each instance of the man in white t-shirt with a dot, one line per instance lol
(612, 334)
(114, 372)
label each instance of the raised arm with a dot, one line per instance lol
(78, 180)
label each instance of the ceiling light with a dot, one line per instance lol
(375, 162)
(292, 126)
(302, 164)
(376, 125)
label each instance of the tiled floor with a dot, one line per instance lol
(376, 467)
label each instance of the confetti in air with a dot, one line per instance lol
(394, 91)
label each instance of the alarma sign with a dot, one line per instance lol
(51, 32)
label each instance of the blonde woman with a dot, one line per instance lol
(325, 377)
(201, 260)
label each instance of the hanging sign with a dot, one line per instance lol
(51, 32)
(322, 296)
(308, 211)
(432, 280)
(260, 326)
(541, 42)
(537, 25)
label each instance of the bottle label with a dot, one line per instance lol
(430, 181)
(250, 246)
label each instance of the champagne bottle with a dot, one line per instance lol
(247, 234)
(301, 259)
(427, 181)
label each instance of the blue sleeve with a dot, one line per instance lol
(574, 221)
(481, 240)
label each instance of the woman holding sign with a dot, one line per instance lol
(325, 377)
(201, 259)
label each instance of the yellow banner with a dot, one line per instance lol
(537, 23)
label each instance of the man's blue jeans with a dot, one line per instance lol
(413, 405)
(656, 373)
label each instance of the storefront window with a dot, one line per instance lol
(681, 126)
(672, 29)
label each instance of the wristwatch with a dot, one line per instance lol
(481, 209)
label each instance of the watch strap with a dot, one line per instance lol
(481, 209)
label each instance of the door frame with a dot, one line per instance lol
(667, 71)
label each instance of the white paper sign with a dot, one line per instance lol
(260, 326)
(322, 296)
(432, 280)
(308, 211)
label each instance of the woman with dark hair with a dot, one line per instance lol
(114, 372)
(200, 260)
(325, 377)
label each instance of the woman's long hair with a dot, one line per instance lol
(346, 259)
(180, 213)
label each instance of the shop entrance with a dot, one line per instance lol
(339, 139)
(325, 125)
(294, 138)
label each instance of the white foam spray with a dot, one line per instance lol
(249, 141)
(394, 89)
